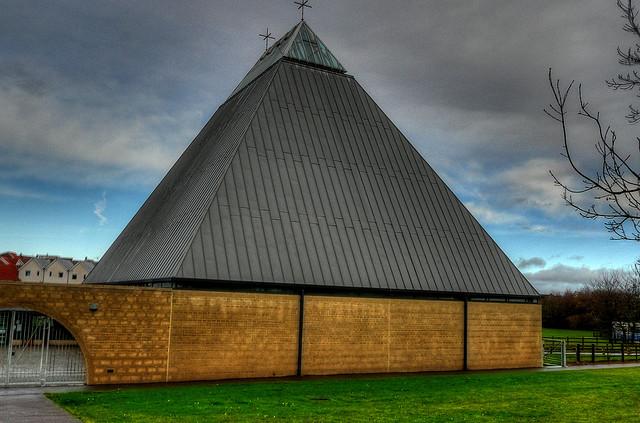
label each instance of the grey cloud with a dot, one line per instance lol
(530, 262)
(562, 277)
(124, 86)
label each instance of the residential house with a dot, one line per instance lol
(34, 269)
(54, 269)
(80, 270)
(58, 270)
(10, 262)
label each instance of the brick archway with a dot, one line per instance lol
(123, 341)
(75, 333)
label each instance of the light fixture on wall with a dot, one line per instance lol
(93, 307)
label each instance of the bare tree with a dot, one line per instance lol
(613, 187)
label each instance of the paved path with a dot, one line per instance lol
(590, 367)
(29, 405)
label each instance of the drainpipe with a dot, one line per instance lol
(466, 335)
(300, 334)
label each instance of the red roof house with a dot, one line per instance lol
(10, 262)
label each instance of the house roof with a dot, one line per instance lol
(42, 262)
(87, 264)
(301, 179)
(66, 263)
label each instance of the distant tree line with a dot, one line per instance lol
(613, 297)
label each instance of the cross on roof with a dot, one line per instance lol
(301, 5)
(266, 37)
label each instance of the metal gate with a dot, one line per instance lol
(554, 352)
(37, 350)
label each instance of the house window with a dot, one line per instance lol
(27, 272)
(60, 274)
(50, 274)
(74, 276)
(38, 274)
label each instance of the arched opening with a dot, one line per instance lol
(35, 349)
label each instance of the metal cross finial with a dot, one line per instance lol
(301, 5)
(266, 37)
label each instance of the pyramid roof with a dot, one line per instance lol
(300, 180)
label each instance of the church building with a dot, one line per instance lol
(300, 185)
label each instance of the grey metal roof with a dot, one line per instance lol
(153, 244)
(66, 263)
(42, 262)
(87, 264)
(303, 180)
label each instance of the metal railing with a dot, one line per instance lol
(554, 352)
(36, 350)
(588, 350)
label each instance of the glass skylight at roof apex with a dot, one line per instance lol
(300, 44)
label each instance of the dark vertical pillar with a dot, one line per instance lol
(466, 335)
(300, 334)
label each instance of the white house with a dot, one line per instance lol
(58, 271)
(53, 269)
(80, 270)
(34, 269)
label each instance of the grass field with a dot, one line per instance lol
(564, 396)
(566, 333)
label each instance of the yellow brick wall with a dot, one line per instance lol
(157, 335)
(221, 335)
(504, 335)
(426, 335)
(345, 335)
(364, 335)
(129, 332)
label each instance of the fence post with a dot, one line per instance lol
(12, 322)
(44, 334)
(577, 353)
(593, 353)
(563, 353)
(622, 351)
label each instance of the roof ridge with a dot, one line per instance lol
(226, 170)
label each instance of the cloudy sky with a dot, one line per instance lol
(98, 99)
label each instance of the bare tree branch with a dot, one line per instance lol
(615, 187)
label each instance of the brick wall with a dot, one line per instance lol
(153, 335)
(218, 335)
(426, 335)
(364, 335)
(128, 334)
(504, 336)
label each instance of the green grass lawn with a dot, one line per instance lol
(611, 395)
(566, 333)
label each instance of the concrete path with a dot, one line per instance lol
(590, 367)
(29, 405)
